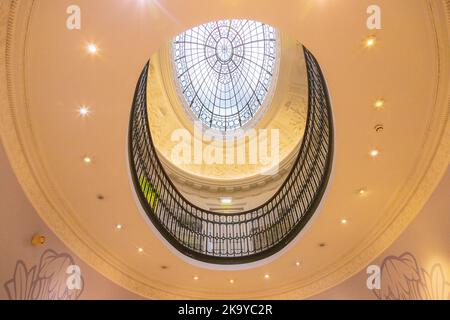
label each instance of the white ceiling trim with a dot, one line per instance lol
(17, 137)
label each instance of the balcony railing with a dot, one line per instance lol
(249, 236)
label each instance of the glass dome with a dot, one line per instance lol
(226, 70)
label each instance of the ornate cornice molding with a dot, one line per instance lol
(16, 135)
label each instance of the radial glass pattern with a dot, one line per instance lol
(225, 70)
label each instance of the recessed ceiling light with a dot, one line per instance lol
(141, 250)
(119, 227)
(298, 264)
(92, 48)
(231, 281)
(344, 221)
(84, 111)
(267, 276)
(226, 200)
(362, 192)
(374, 153)
(379, 104)
(87, 160)
(196, 278)
(371, 41)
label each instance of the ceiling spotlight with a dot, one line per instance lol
(379, 104)
(226, 201)
(344, 221)
(231, 281)
(371, 41)
(92, 48)
(141, 250)
(119, 227)
(267, 276)
(196, 278)
(374, 153)
(362, 192)
(84, 111)
(87, 160)
(298, 264)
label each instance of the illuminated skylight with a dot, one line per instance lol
(225, 70)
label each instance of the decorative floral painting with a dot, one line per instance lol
(403, 279)
(52, 279)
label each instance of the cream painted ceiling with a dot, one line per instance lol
(47, 74)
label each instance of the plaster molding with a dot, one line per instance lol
(17, 138)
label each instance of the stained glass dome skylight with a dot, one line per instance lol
(225, 70)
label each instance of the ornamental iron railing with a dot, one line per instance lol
(244, 237)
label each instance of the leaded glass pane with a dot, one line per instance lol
(225, 70)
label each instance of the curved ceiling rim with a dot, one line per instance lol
(11, 138)
(23, 158)
(383, 238)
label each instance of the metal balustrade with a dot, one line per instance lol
(221, 238)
